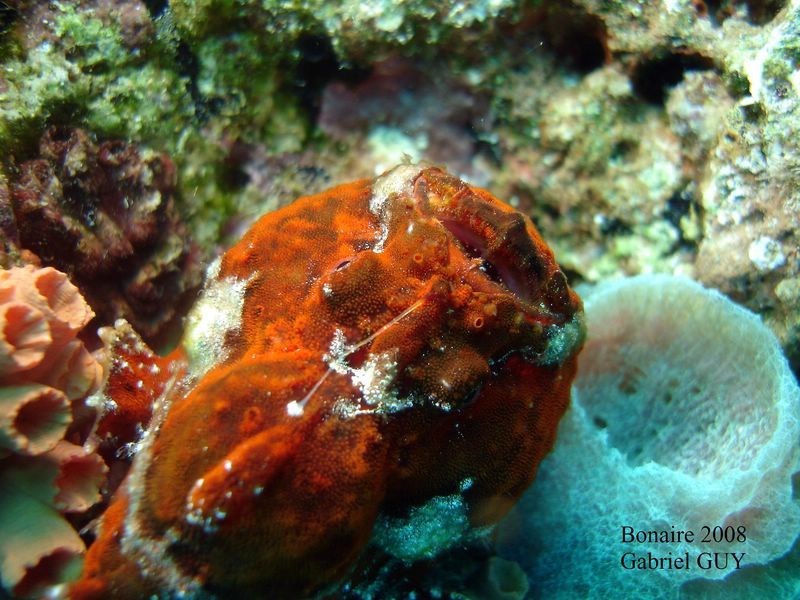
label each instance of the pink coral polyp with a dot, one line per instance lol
(45, 371)
(41, 312)
(25, 337)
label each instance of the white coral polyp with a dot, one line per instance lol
(685, 414)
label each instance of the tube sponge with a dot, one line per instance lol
(684, 414)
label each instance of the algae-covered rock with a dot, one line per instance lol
(751, 190)
(82, 66)
(353, 27)
(678, 155)
(83, 69)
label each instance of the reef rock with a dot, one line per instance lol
(385, 362)
(104, 214)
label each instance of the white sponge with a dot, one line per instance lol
(684, 414)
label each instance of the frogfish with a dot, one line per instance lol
(368, 364)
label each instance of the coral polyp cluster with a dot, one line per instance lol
(42, 364)
(396, 351)
(45, 373)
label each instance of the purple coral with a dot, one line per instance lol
(104, 214)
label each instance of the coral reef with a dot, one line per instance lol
(105, 215)
(45, 372)
(685, 414)
(751, 192)
(401, 350)
(119, 72)
(574, 90)
(639, 136)
(673, 150)
(354, 29)
(72, 58)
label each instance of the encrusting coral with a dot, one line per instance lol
(395, 351)
(685, 414)
(104, 213)
(45, 372)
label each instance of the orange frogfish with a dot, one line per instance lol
(383, 364)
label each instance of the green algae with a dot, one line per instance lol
(35, 90)
(354, 28)
(243, 74)
(88, 76)
(237, 88)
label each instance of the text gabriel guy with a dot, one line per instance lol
(686, 562)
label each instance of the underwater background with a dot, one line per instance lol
(655, 146)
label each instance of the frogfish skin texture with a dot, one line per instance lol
(394, 341)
